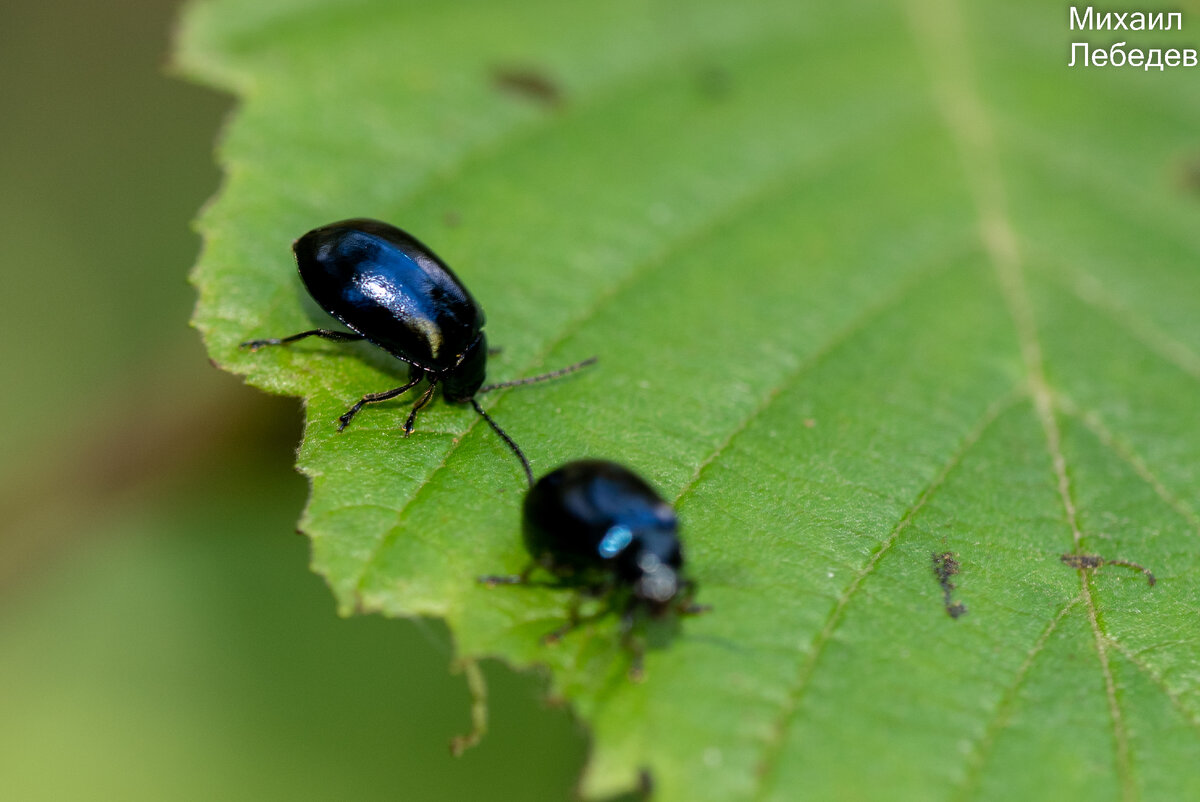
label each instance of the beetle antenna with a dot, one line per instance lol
(554, 374)
(504, 436)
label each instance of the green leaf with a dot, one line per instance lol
(869, 284)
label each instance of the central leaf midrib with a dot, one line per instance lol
(941, 33)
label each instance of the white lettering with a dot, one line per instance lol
(1115, 55)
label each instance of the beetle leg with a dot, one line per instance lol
(516, 449)
(686, 606)
(599, 589)
(324, 334)
(575, 620)
(371, 398)
(637, 649)
(421, 402)
(523, 579)
(508, 579)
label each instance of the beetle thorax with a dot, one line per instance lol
(462, 381)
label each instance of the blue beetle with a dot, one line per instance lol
(394, 292)
(597, 525)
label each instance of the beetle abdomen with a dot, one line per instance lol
(387, 286)
(599, 514)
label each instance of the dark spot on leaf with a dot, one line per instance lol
(645, 783)
(944, 567)
(1085, 561)
(1089, 562)
(1188, 174)
(451, 218)
(713, 82)
(529, 83)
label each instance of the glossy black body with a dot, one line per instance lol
(394, 292)
(387, 286)
(600, 522)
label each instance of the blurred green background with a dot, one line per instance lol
(161, 636)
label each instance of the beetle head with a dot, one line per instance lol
(462, 381)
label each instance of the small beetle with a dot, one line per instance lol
(394, 292)
(596, 524)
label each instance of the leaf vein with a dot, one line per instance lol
(1188, 715)
(938, 26)
(1091, 421)
(983, 746)
(773, 748)
(1091, 292)
(840, 337)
